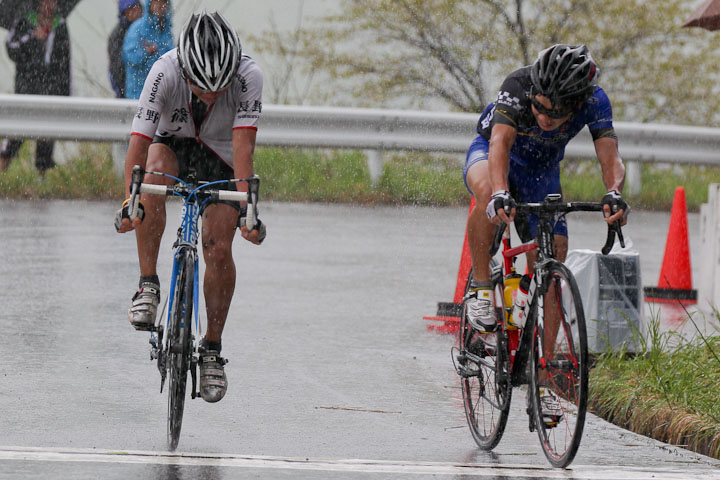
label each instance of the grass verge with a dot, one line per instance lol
(340, 176)
(89, 176)
(581, 181)
(668, 391)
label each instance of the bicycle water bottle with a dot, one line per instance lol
(512, 282)
(520, 308)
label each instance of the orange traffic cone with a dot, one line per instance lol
(465, 263)
(449, 313)
(675, 284)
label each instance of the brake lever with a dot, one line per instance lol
(137, 177)
(253, 194)
(499, 231)
(613, 229)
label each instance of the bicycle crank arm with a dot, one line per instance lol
(193, 374)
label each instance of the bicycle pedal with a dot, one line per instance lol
(467, 372)
(552, 421)
(142, 327)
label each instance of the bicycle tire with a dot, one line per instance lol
(179, 346)
(560, 367)
(485, 363)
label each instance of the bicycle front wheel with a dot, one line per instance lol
(560, 366)
(485, 378)
(180, 346)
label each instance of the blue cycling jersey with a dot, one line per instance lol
(534, 147)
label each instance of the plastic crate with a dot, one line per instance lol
(611, 290)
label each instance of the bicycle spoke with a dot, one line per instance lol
(485, 396)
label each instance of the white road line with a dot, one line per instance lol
(349, 465)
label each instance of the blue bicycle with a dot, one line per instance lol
(175, 346)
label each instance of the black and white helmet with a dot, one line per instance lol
(209, 51)
(565, 74)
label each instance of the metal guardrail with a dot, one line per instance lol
(100, 119)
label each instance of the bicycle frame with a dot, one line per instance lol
(548, 351)
(519, 340)
(187, 239)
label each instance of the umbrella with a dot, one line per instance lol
(11, 9)
(707, 16)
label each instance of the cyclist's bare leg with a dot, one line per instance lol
(479, 228)
(149, 234)
(218, 231)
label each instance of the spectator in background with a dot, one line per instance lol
(145, 41)
(128, 12)
(39, 44)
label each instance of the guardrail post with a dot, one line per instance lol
(709, 271)
(633, 178)
(375, 165)
(119, 151)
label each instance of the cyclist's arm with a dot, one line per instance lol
(243, 150)
(613, 170)
(137, 155)
(501, 141)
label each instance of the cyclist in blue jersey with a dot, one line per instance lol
(522, 139)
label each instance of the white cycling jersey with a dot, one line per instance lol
(164, 106)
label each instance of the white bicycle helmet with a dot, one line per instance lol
(209, 51)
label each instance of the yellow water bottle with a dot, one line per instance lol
(512, 282)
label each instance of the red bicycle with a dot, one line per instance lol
(545, 349)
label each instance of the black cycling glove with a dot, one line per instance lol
(259, 225)
(615, 201)
(500, 200)
(124, 212)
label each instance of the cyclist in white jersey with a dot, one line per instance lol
(196, 119)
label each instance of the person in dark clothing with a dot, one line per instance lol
(39, 45)
(128, 12)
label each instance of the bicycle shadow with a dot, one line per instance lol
(187, 472)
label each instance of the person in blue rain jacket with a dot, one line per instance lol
(145, 41)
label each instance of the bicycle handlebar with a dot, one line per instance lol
(251, 196)
(552, 206)
(230, 195)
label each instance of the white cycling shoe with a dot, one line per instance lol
(144, 306)
(480, 309)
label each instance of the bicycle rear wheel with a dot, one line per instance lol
(485, 378)
(560, 359)
(180, 346)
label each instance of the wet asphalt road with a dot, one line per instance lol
(330, 359)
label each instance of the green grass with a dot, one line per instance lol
(340, 176)
(581, 181)
(91, 175)
(668, 391)
(343, 177)
(313, 176)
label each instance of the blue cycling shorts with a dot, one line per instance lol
(527, 184)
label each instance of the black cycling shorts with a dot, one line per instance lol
(197, 163)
